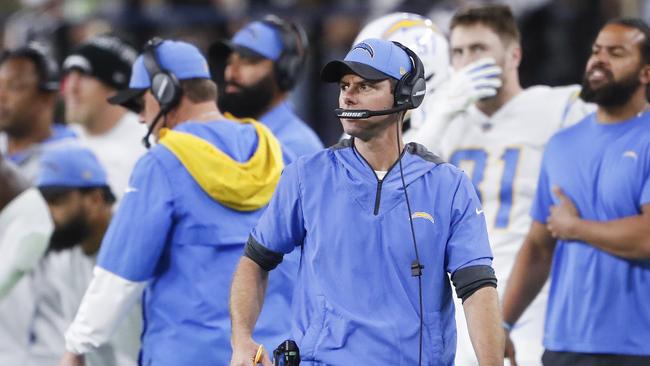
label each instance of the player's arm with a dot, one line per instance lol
(278, 232)
(25, 238)
(529, 273)
(628, 237)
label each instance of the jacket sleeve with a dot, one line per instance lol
(93, 325)
(281, 228)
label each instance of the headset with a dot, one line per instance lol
(294, 51)
(408, 94)
(165, 87)
(46, 67)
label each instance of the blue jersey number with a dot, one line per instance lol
(479, 157)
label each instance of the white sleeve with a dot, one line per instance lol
(25, 229)
(106, 302)
(435, 121)
(575, 108)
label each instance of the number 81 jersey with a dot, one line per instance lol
(502, 155)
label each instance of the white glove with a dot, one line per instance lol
(476, 81)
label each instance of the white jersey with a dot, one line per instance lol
(502, 155)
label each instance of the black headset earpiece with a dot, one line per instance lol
(165, 87)
(294, 51)
(411, 88)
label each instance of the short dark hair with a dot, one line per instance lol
(497, 17)
(642, 27)
(47, 71)
(199, 90)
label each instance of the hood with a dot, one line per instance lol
(362, 181)
(242, 186)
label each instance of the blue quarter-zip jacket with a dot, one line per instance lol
(355, 301)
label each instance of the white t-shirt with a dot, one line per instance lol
(117, 150)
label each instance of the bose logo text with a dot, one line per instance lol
(352, 114)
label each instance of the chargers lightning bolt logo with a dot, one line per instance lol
(366, 47)
(422, 215)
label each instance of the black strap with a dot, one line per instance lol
(468, 280)
(265, 258)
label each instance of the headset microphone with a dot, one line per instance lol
(165, 86)
(365, 113)
(145, 139)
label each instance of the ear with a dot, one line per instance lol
(515, 54)
(644, 75)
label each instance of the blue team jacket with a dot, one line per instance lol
(169, 232)
(355, 301)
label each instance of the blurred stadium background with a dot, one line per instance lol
(556, 33)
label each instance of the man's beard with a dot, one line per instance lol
(613, 93)
(70, 234)
(249, 101)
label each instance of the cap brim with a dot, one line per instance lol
(128, 98)
(335, 70)
(220, 50)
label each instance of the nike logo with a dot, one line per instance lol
(130, 189)
(630, 154)
(478, 212)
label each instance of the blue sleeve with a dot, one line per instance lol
(543, 199)
(138, 232)
(468, 243)
(281, 228)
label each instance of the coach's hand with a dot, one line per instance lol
(563, 218)
(71, 359)
(244, 351)
(510, 350)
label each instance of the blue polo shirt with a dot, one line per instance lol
(355, 301)
(598, 302)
